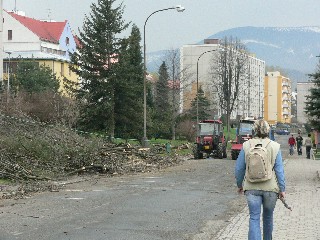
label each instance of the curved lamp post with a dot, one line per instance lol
(8, 83)
(198, 80)
(179, 8)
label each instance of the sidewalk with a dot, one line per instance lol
(302, 194)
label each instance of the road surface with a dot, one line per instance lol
(190, 201)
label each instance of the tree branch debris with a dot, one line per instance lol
(34, 155)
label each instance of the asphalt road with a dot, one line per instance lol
(190, 201)
(176, 203)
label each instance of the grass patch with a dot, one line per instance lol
(4, 181)
(232, 136)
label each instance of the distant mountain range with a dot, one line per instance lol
(293, 49)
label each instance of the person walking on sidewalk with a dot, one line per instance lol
(308, 144)
(264, 193)
(292, 144)
(299, 141)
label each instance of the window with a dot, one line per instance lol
(9, 34)
(67, 41)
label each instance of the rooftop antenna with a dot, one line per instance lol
(49, 14)
(15, 6)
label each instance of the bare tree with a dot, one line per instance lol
(177, 76)
(229, 72)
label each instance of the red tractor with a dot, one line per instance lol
(210, 140)
(244, 133)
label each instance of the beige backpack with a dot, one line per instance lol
(258, 165)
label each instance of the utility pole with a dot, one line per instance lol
(249, 91)
(1, 44)
(259, 111)
(173, 98)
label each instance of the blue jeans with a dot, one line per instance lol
(256, 199)
(291, 150)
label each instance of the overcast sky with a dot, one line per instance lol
(171, 29)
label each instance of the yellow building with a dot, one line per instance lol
(277, 98)
(59, 66)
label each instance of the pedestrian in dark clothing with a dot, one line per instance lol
(299, 141)
(308, 144)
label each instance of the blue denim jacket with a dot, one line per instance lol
(240, 170)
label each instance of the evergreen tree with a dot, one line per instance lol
(162, 111)
(203, 106)
(129, 89)
(34, 78)
(312, 108)
(96, 65)
(36, 91)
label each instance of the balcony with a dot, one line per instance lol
(286, 84)
(285, 113)
(285, 105)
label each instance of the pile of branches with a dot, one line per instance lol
(36, 152)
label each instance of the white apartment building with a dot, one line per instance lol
(250, 101)
(190, 57)
(277, 104)
(303, 89)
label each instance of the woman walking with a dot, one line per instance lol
(262, 193)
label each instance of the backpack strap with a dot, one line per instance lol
(251, 143)
(269, 141)
(266, 145)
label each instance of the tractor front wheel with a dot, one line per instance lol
(234, 154)
(224, 152)
(198, 155)
(220, 151)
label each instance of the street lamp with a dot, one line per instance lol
(179, 8)
(198, 80)
(8, 86)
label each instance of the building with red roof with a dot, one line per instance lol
(48, 42)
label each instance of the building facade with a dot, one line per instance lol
(46, 42)
(251, 98)
(192, 79)
(277, 98)
(196, 64)
(303, 90)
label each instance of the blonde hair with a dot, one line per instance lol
(261, 128)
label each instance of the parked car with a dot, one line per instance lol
(282, 131)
